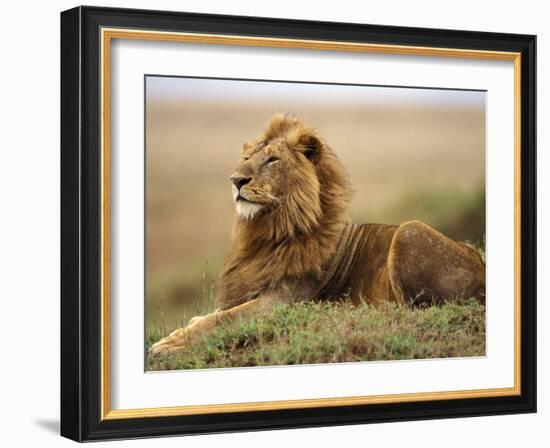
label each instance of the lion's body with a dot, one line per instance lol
(355, 268)
(374, 263)
(292, 239)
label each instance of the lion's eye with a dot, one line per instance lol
(272, 159)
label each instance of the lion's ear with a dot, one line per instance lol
(310, 146)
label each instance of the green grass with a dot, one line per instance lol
(311, 333)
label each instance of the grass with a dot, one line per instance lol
(312, 333)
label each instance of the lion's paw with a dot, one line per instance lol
(173, 342)
(178, 339)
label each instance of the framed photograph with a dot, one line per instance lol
(273, 223)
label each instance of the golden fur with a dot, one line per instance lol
(295, 234)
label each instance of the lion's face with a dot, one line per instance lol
(273, 175)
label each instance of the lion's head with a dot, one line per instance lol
(291, 195)
(289, 178)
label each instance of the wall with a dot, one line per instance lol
(29, 236)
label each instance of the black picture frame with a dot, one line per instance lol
(81, 224)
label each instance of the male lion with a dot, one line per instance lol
(292, 239)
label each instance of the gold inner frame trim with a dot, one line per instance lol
(107, 35)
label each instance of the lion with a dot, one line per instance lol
(292, 240)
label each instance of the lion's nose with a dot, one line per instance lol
(240, 181)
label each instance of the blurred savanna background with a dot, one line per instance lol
(411, 154)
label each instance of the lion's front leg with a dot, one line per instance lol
(200, 325)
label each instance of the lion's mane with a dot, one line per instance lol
(296, 240)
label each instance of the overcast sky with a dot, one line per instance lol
(213, 90)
